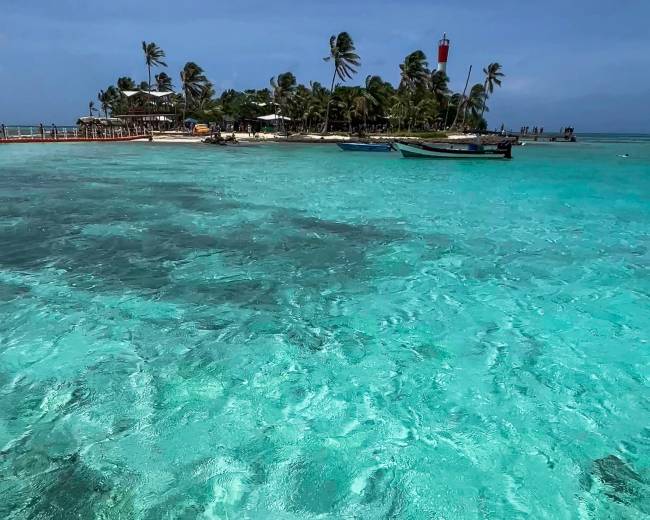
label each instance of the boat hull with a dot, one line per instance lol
(430, 152)
(72, 139)
(365, 147)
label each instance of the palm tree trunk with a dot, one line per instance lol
(462, 99)
(485, 96)
(446, 115)
(184, 109)
(329, 102)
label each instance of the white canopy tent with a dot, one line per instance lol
(153, 93)
(274, 117)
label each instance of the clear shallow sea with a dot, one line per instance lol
(295, 332)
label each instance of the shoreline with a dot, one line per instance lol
(243, 137)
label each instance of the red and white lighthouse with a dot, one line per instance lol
(443, 53)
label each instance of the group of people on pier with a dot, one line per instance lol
(526, 130)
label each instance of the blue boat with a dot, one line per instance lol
(365, 147)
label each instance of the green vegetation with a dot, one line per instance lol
(422, 104)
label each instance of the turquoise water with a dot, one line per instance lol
(295, 332)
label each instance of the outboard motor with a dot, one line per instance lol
(505, 146)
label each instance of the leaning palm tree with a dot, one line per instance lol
(475, 103)
(163, 82)
(153, 56)
(462, 101)
(342, 53)
(493, 77)
(192, 80)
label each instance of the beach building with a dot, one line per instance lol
(153, 109)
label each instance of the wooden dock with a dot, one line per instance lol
(72, 139)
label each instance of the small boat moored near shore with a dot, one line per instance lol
(502, 150)
(365, 147)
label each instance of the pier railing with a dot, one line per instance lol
(63, 133)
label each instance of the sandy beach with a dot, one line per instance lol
(177, 137)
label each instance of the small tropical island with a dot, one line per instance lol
(358, 297)
(421, 105)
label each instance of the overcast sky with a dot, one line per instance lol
(580, 62)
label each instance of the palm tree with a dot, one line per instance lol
(493, 77)
(454, 102)
(426, 110)
(317, 103)
(414, 77)
(153, 56)
(204, 104)
(163, 82)
(362, 107)
(299, 105)
(103, 98)
(475, 102)
(125, 83)
(346, 101)
(439, 85)
(282, 89)
(414, 72)
(382, 92)
(91, 108)
(400, 108)
(114, 98)
(342, 53)
(192, 80)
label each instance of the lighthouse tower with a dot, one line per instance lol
(443, 53)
